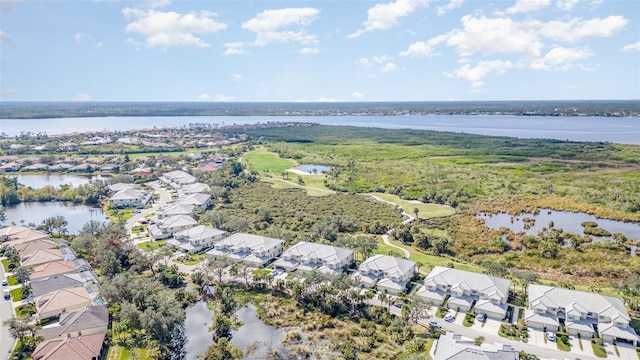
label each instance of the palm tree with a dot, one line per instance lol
(416, 211)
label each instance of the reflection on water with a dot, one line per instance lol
(34, 212)
(567, 221)
(197, 323)
(38, 181)
(314, 169)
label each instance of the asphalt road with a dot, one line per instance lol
(165, 197)
(6, 312)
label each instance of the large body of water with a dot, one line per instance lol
(37, 181)
(34, 212)
(580, 128)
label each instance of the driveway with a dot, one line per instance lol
(165, 197)
(489, 326)
(627, 351)
(6, 312)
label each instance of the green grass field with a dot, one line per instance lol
(5, 265)
(385, 249)
(311, 190)
(151, 245)
(425, 211)
(262, 160)
(119, 353)
(432, 260)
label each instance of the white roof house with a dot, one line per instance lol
(463, 287)
(580, 310)
(195, 188)
(176, 209)
(165, 228)
(197, 238)
(200, 200)
(452, 346)
(307, 256)
(129, 198)
(254, 249)
(122, 186)
(387, 273)
(177, 178)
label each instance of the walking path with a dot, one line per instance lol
(385, 237)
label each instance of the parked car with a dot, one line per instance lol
(398, 305)
(4, 282)
(435, 324)
(449, 317)
(551, 336)
(481, 317)
(7, 294)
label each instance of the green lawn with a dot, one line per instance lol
(278, 183)
(432, 260)
(262, 159)
(16, 294)
(11, 280)
(190, 259)
(385, 249)
(151, 245)
(114, 214)
(598, 350)
(424, 210)
(119, 353)
(5, 265)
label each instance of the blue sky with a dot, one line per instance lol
(403, 50)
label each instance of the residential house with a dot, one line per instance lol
(17, 236)
(452, 346)
(82, 168)
(61, 167)
(129, 198)
(210, 166)
(387, 273)
(177, 178)
(52, 283)
(7, 232)
(581, 312)
(60, 301)
(199, 200)
(165, 228)
(85, 321)
(10, 167)
(465, 289)
(59, 267)
(110, 168)
(89, 347)
(254, 249)
(176, 209)
(41, 256)
(195, 188)
(308, 256)
(117, 187)
(32, 246)
(196, 239)
(35, 167)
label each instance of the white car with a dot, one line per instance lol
(435, 324)
(551, 336)
(449, 317)
(481, 317)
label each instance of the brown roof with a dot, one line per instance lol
(41, 256)
(27, 235)
(53, 268)
(61, 299)
(29, 247)
(86, 318)
(12, 230)
(76, 348)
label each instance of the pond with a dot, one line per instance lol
(34, 212)
(314, 169)
(253, 332)
(38, 181)
(568, 221)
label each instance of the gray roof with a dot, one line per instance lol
(307, 251)
(199, 232)
(179, 209)
(89, 317)
(391, 266)
(196, 199)
(129, 194)
(490, 286)
(62, 281)
(249, 241)
(175, 221)
(453, 346)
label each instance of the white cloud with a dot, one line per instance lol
(217, 97)
(81, 97)
(4, 37)
(80, 36)
(478, 73)
(167, 29)
(389, 67)
(237, 77)
(234, 48)
(270, 26)
(381, 59)
(452, 5)
(578, 29)
(560, 58)
(566, 5)
(524, 6)
(421, 48)
(203, 97)
(385, 16)
(482, 35)
(310, 50)
(632, 47)
(364, 62)
(357, 95)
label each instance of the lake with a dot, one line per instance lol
(37, 181)
(314, 169)
(578, 128)
(34, 212)
(253, 332)
(568, 221)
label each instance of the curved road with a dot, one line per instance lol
(385, 237)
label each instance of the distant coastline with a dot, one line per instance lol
(41, 110)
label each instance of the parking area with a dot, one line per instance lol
(626, 351)
(489, 326)
(537, 338)
(575, 346)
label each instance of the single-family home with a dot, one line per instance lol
(32, 246)
(60, 167)
(308, 256)
(461, 289)
(60, 301)
(85, 321)
(35, 167)
(89, 347)
(10, 167)
(117, 187)
(14, 235)
(7, 232)
(199, 200)
(196, 239)
(582, 313)
(253, 249)
(63, 281)
(59, 267)
(176, 209)
(177, 178)
(195, 188)
(129, 198)
(452, 346)
(166, 227)
(387, 273)
(41, 256)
